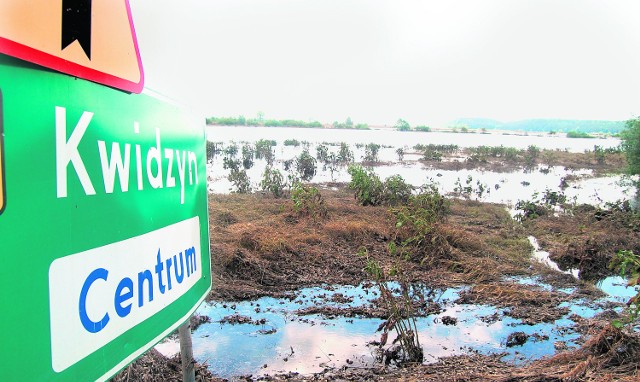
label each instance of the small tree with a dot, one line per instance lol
(402, 125)
(348, 122)
(371, 152)
(631, 145)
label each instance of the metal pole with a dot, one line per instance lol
(186, 352)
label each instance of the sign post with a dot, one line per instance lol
(103, 223)
(186, 353)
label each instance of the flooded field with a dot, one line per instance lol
(503, 186)
(272, 335)
(512, 274)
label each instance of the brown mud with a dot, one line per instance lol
(261, 247)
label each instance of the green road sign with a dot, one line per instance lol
(103, 225)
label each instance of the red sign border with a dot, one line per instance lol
(35, 56)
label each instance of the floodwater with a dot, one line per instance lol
(279, 340)
(543, 257)
(391, 137)
(496, 187)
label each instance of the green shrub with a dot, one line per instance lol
(402, 125)
(307, 201)
(264, 150)
(396, 191)
(231, 151)
(247, 156)
(240, 181)
(230, 164)
(628, 264)
(578, 134)
(345, 155)
(367, 186)
(213, 149)
(468, 189)
(553, 198)
(322, 153)
(531, 209)
(531, 155)
(273, 182)
(599, 154)
(292, 142)
(371, 152)
(371, 191)
(417, 226)
(400, 308)
(306, 165)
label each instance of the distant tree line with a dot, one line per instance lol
(403, 125)
(260, 121)
(348, 124)
(555, 125)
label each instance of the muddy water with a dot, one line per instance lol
(395, 138)
(506, 188)
(279, 340)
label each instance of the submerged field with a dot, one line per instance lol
(263, 249)
(298, 293)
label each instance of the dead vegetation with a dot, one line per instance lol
(586, 237)
(529, 303)
(153, 366)
(260, 246)
(610, 354)
(607, 162)
(610, 163)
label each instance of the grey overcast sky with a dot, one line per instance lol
(379, 60)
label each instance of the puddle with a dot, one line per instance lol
(614, 286)
(617, 289)
(278, 340)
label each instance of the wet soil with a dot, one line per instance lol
(586, 238)
(261, 247)
(269, 250)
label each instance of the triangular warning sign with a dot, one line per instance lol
(91, 39)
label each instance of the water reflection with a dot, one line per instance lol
(284, 341)
(498, 187)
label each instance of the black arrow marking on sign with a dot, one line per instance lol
(76, 24)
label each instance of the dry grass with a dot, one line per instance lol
(583, 238)
(526, 302)
(610, 354)
(153, 366)
(259, 245)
